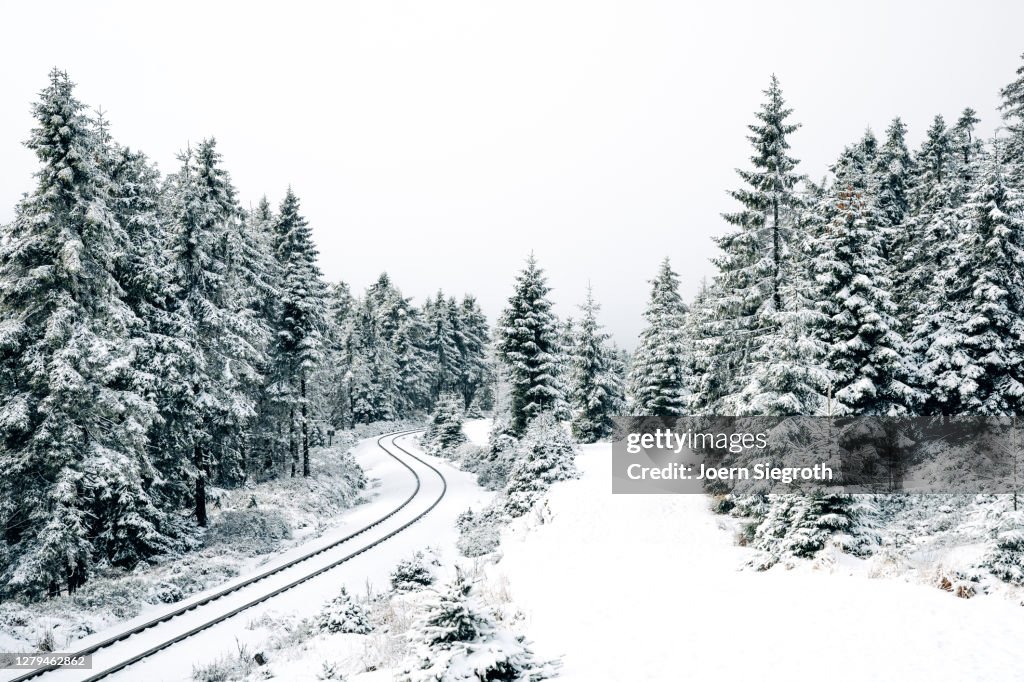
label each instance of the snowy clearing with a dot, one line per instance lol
(647, 587)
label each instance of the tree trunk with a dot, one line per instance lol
(293, 448)
(305, 428)
(200, 463)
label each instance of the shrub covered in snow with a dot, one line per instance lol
(444, 433)
(343, 614)
(412, 573)
(458, 639)
(544, 456)
(1004, 557)
(478, 532)
(255, 529)
(803, 525)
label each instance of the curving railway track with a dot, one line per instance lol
(118, 652)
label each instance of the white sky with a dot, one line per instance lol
(443, 141)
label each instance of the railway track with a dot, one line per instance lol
(210, 600)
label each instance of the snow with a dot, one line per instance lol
(647, 587)
(476, 430)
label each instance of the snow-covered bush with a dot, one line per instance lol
(444, 432)
(478, 532)
(1004, 557)
(544, 456)
(458, 639)
(412, 574)
(258, 530)
(343, 614)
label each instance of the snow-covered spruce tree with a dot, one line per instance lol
(373, 375)
(974, 362)
(931, 231)
(73, 421)
(412, 574)
(219, 351)
(458, 640)
(269, 439)
(410, 344)
(444, 432)
(1012, 108)
(802, 525)
(441, 318)
(894, 169)
(864, 349)
(334, 371)
(343, 614)
(596, 387)
(301, 321)
(657, 381)
(753, 263)
(543, 456)
(474, 342)
(528, 347)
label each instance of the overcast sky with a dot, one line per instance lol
(443, 141)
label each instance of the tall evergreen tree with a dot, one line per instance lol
(474, 341)
(528, 346)
(596, 388)
(752, 267)
(975, 359)
(443, 344)
(302, 316)
(1012, 108)
(72, 423)
(657, 381)
(858, 327)
(218, 350)
(894, 167)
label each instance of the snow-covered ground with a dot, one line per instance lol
(370, 571)
(647, 587)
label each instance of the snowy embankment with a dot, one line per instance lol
(647, 587)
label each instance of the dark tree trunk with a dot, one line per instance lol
(200, 462)
(293, 448)
(305, 428)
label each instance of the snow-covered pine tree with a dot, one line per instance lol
(1012, 108)
(658, 386)
(894, 168)
(218, 352)
(302, 317)
(410, 345)
(967, 145)
(528, 346)
(73, 423)
(458, 640)
(444, 432)
(334, 375)
(474, 342)
(931, 228)
(343, 614)
(373, 375)
(975, 356)
(441, 318)
(864, 349)
(596, 387)
(752, 266)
